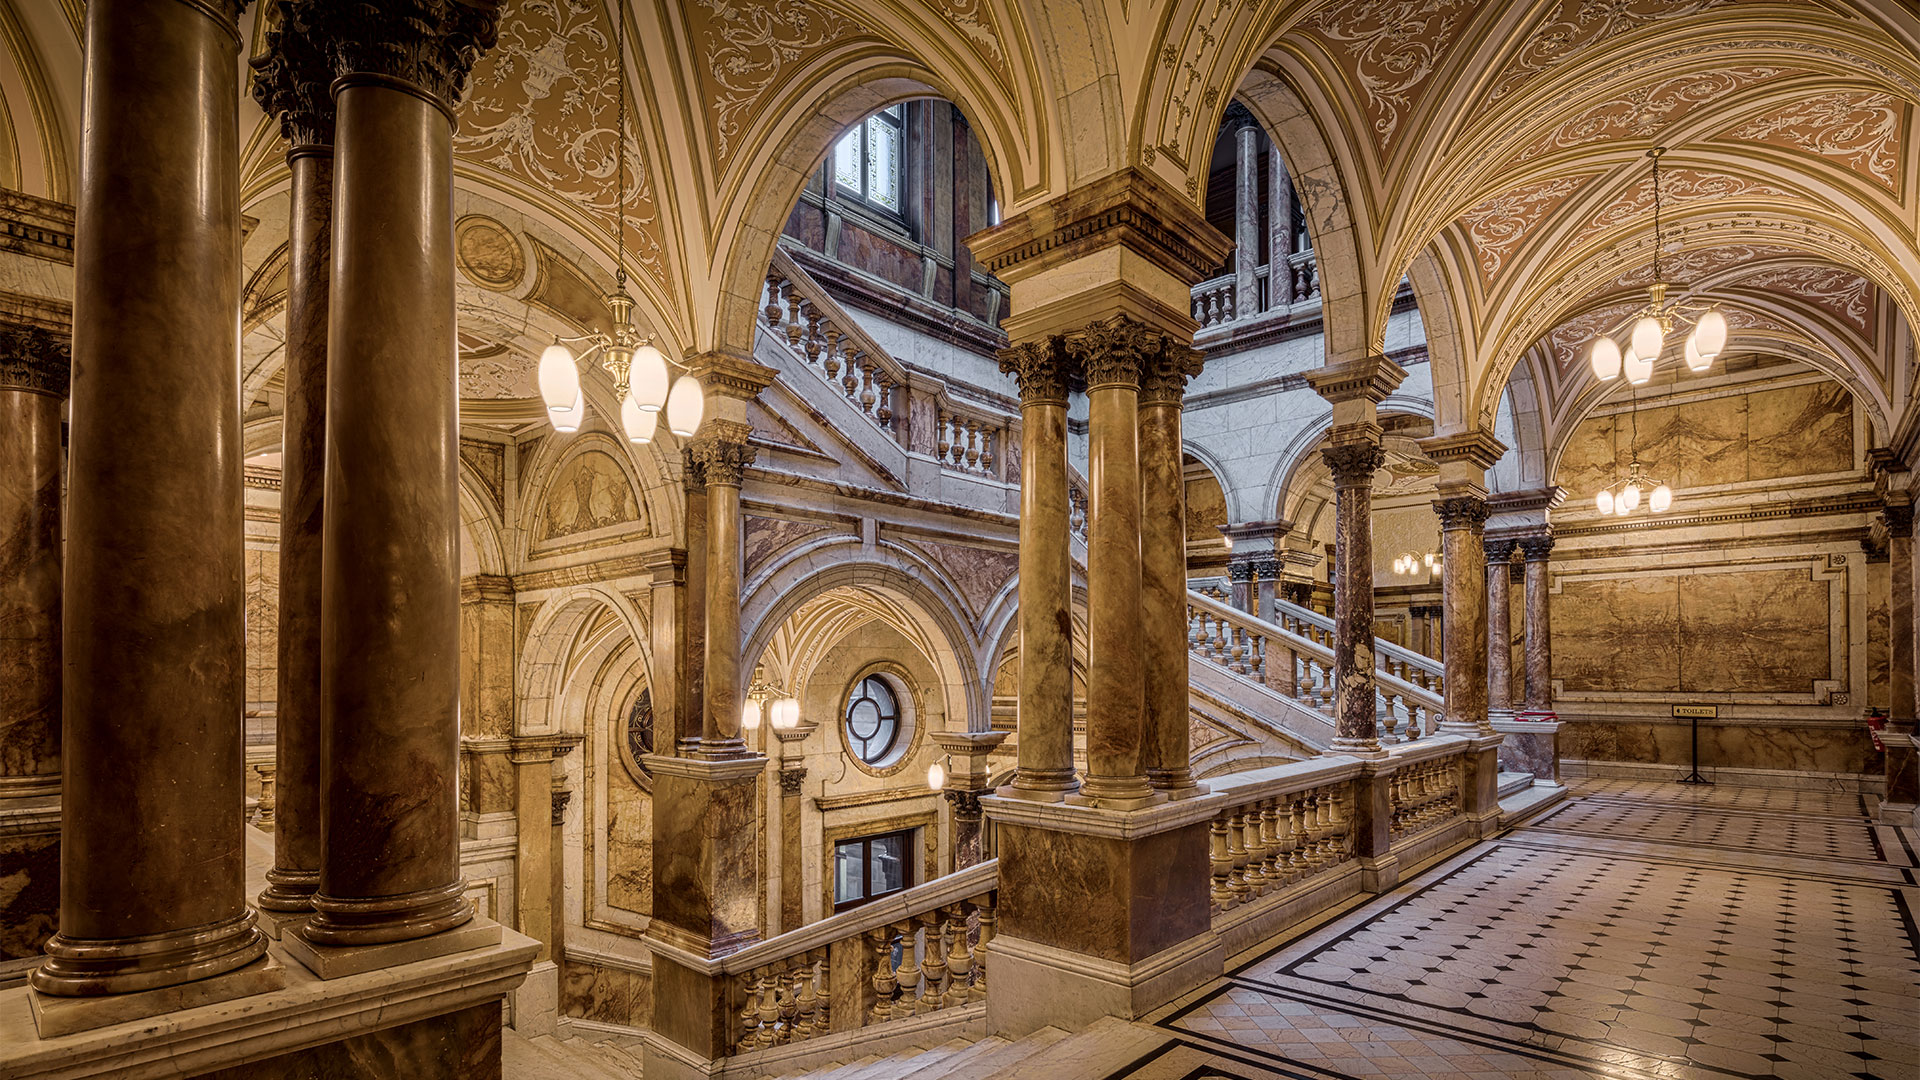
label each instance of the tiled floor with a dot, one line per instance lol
(1647, 930)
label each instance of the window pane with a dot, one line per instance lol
(889, 864)
(881, 693)
(849, 873)
(883, 164)
(846, 161)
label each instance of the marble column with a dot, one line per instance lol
(1353, 464)
(153, 858)
(1464, 597)
(675, 642)
(1499, 555)
(724, 455)
(390, 593)
(1279, 230)
(1537, 604)
(1903, 782)
(34, 376)
(1045, 716)
(791, 784)
(1111, 354)
(1246, 219)
(292, 83)
(1166, 753)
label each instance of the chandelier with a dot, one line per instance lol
(1622, 497)
(1408, 563)
(640, 375)
(1655, 321)
(782, 710)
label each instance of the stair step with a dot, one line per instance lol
(947, 1066)
(1100, 1050)
(996, 1063)
(1512, 782)
(842, 1071)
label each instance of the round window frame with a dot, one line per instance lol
(621, 739)
(906, 696)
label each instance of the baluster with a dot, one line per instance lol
(813, 333)
(1219, 858)
(1200, 310)
(1226, 305)
(989, 920)
(1257, 657)
(867, 394)
(790, 1005)
(831, 357)
(770, 1006)
(933, 966)
(1236, 650)
(959, 439)
(943, 425)
(750, 1013)
(807, 1000)
(1390, 720)
(851, 381)
(884, 413)
(1272, 831)
(1284, 861)
(988, 438)
(885, 984)
(772, 310)
(1237, 850)
(1297, 829)
(959, 961)
(904, 1005)
(1255, 843)
(794, 327)
(1310, 817)
(973, 443)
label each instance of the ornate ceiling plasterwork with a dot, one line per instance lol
(1859, 129)
(542, 108)
(1847, 296)
(1388, 50)
(745, 49)
(1642, 112)
(1567, 343)
(1574, 25)
(1690, 264)
(1679, 187)
(1499, 224)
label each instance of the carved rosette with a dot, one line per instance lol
(293, 79)
(432, 44)
(1353, 464)
(1899, 517)
(723, 453)
(1461, 512)
(1536, 548)
(1042, 370)
(36, 360)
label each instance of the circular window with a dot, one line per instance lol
(640, 728)
(873, 720)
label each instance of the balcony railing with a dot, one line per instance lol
(1216, 301)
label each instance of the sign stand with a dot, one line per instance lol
(1695, 713)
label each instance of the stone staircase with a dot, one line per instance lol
(574, 1052)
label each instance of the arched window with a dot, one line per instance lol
(640, 727)
(872, 720)
(868, 161)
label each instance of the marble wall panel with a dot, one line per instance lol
(1117, 900)
(1617, 634)
(462, 1045)
(763, 537)
(1829, 749)
(1799, 430)
(1754, 631)
(604, 994)
(1206, 507)
(263, 629)
(629, 844)
(1879, 635)
(487, 662)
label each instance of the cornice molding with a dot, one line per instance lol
(1370, 378)
(1130, 208)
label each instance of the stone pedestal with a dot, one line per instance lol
(1530, 746)
(1372, 825)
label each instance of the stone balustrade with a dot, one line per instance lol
(1294, 280)
(914, 953)
(1278, 841)
(1425, 795)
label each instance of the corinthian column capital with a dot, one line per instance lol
(293, 79)
(430, 44)
(1041, 368)
(723, 453)
(35, 359)
(1113, 351)
(1353, 464)
(1461, 512)
(1163, 381)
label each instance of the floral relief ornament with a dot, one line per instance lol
(1858, 128)
(1391, 47)
(1499, 224)
(746, 45)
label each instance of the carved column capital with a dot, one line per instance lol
(791, 777)
(293, 79)
(1113, 352)
(1461, 512)
(723, 453)
(1899, 517)
(1041, 368)
(1499, 551)
(1163, 379)
(429, 44)
(1536, 548)
(1353, 464)
(561, 796)
(966, 804)
(35, 359)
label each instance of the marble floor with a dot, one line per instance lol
(1642, 930)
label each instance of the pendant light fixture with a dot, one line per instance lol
(1650, 327)
(641, 376)
(1623, 496)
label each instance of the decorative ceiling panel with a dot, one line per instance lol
(1644, 111)
(1388, 50)
(1847, 296)
(1498, 225)
(1571, 26)
(1862, 130)
(744, 51)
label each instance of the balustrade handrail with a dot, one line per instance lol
(830, 311)
(941, 891)
(1382, 648)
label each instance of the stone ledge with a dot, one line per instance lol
(308, 1012)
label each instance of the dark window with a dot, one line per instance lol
(868, 161)
(640, 728)
(866, 869)
(873, 720)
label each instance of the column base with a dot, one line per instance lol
(339, 922)
(1038, 985)
(339, 961)
(1175, 784)
(1360, 748)
(277, 924)
(83, 967)
(1042, 785)
(289, 892)
(1116, 793)
(56, 1016)
(1904, 814)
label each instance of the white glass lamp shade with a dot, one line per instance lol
(936, 776)
(786, 714)
(686, 404)
(750, 716)
(1605, 358)
(1711, 334)
(559, 379)
(1620, 508)
(1400, 565)
(567, 421)
(1630, 497)
(639, 424)
(1603, 502)
(648, 378)
(1660, 499)
(1696, 361)
(1647, 338)
(1637, 368)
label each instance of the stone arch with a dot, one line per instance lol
(647, 469)
(552, 650)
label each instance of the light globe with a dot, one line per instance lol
(1711, 334)
(1647, 338)
(1605, 358)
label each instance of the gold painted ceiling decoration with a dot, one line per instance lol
(1572, 26)
(1388, 50)
(1682, 186)
(747, 48)
(1499, 224)
(1644, 111)
(1862, 130)
(1845, 295)
(542, 108)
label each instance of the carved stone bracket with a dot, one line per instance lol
(36, 360)
(1461, 512)
(1353, 464)
(1042, 369)
(430, 44)
(1369, 379)
(293, 79)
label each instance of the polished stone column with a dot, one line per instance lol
(1902, 766)
(1111, 353)
(34, 376)
(1537, 603)
(390, 601)
(293, 83)
(1246, 216)
(1046, 584)
(1353, 464)
(724, 455)
(791, 785)
(153, 858)
(675, 642)
(1499, 628)
(968, 772)
(1279, 230)
(1462, 519)
(1166, 751)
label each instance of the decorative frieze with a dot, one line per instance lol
(36, 360)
